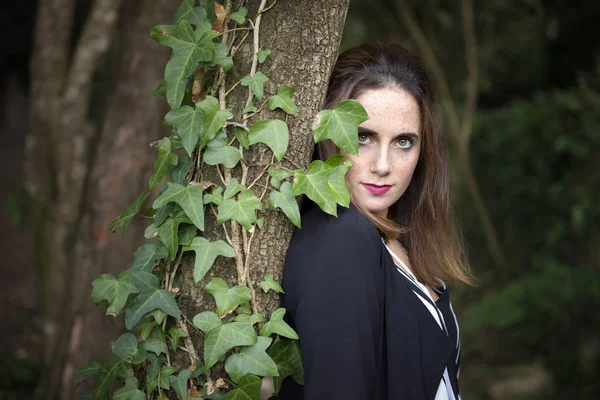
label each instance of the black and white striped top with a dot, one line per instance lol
(441, 310)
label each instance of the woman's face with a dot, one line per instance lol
(388, 149)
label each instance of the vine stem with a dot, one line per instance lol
(256, 26)
(235, 29)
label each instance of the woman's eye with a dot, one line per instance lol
(362, 138)
(405, 143)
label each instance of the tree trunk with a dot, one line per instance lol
(304, 41)
(81, 176)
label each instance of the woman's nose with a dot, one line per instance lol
(381, 164)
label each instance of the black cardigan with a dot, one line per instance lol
(363, 333)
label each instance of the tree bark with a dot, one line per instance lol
(304, 42)
(81, 175)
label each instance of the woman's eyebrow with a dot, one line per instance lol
(371, 132)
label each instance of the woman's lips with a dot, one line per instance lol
(377, 190)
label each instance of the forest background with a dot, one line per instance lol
(529, 327)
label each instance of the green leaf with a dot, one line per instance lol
(221, 57)
(206, 253)
(107, 379)
(288, 357)
(241, 136)
(90, 369)
(162, 213)
(168, 233)
(155, 345)
(248, 389)
(228, 156)
(259, 222)
(188, 197)
(179, 383)
(209, 6)
(233, 188)
(250, 108)
(206, 321)
(125, 346)
(161, 166)
(187, 11)
(165, 372)
(244, 309)
(214, 119)
(274, 133)
(126, 216)
(243, 210)
(158, 316)
(186, 234)
(113, 290)
(188, 50)
(184, 165)
(277, 325)
(341, 125)
(252, 360)
(315, 185)
(226, 298)
(161, 90)
(283, 100)
(256, 83)
(188, 122)
(146, 327)
(250, 319)
(337, 179)
(263, 54)
(220, 140)
(240, 16)
(144, 281)
(277, 175)
(130, 391)
(174, 335)
(215, 197)
(221, 339)
(151, 231)
(270, 284)
(149, 301)
(285, 200)
(155, 363)
(147, 256)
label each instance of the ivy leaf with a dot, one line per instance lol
(90, 369)
(252, 360)
(221, 57)
(161, 166)
(146, 327)
(283, 100)
(188, 50)
(214, 119)
(150, 301)
(337, 179)
(188, 122)
(158, 316)
(243, 210)
(256, 83)
(206, 253)
(161, 90)
(226, 298)
(186, 233)
(250, 319)
(240, 16)
(168, 234)
(233, 188)
(107, 379)
(187, 11)
(125, 346)
(285, 200)
(155, 345)
(274, 133)
(315, 185)
(250, 108)
(174, 335)
(206, 321)
(259, 222)
(241, 136)
(248, 389)
(162, 213)
(244, 309)
(188, 197)
(288, 357)
(130, 391)
(184, 164)
(126, 216)
(144, 281)
(220, 140)
(151, 231)
(215, 197)
(147, 256)
(228, 156)
(221, 339)
(165, 373)
(263, 54)
(114, 291)
(341, 125)
(277, 175)
(270, 284)
(277, 325)
(179, 383)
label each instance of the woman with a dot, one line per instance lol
(365, 291)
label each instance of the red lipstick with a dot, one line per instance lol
(377, 190)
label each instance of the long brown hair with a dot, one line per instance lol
(422, 219)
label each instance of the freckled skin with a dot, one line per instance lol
(384, 158)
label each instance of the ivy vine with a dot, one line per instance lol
(205, 132)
